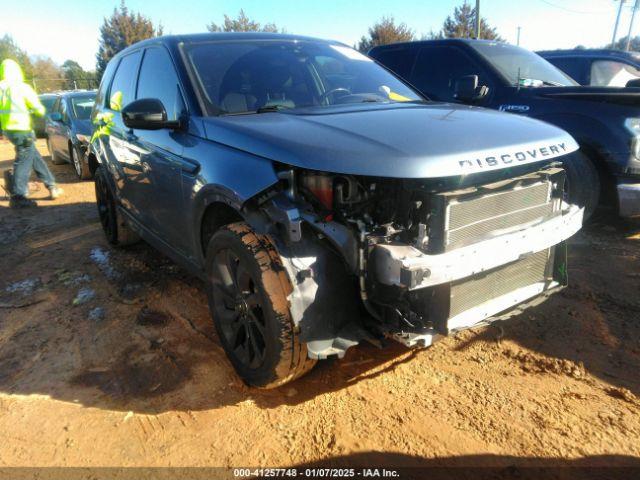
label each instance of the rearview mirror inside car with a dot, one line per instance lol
(147, 114)
(467, 90)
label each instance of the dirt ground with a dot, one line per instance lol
(109, 358)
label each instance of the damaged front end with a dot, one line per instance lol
(414, 259)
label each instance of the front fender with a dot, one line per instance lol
(226, 176)
(612, 150)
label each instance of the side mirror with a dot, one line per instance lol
(467, 90)
(147, 114)
(633, 83)
(55, 117)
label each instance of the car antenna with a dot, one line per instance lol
(518, 81)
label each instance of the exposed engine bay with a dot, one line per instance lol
(425, 257)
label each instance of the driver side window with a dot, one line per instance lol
(158, 79)
(64, 112)
(438, 68)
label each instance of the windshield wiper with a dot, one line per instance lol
(271, 108)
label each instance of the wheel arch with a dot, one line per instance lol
(217, 208)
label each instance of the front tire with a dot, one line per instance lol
(115, 228)
(79, 165)
(582, 182)
(247, 289)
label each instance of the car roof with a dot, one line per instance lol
(441, 41)
(589, 52)
(77, 93)
(173, 40)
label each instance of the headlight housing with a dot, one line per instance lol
(83, 138)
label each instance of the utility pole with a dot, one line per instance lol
(633, 17)
(615, 28)
(477, 19)
(518, 39)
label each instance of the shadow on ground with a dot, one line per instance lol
(594, 324)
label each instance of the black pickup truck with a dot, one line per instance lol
(605, 121)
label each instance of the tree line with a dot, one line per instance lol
(124, 28)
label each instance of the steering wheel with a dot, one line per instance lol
(333, 91)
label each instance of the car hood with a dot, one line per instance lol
(400, 140)
(618, 95)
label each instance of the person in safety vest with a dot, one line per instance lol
(17, 102)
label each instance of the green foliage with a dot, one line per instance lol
(9, 49)
(463, 25)
(634, 45)
(121, 29)
(384, 32)
(76, 77)
(241, 23)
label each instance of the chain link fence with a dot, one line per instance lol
(55, 84)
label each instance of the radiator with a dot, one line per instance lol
(472, 292)
(468, 216)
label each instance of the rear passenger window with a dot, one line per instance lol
(158, 79)
(398, 60)
(122, 88)
(609, 73)
(438, 68)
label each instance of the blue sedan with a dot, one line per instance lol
(68, 130)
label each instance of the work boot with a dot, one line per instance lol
(18, 201)
(55, 192)
(8, 181)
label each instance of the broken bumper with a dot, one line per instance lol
(628, 198)
(408, 267)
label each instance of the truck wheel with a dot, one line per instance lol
(115, 228)
(55, 159)
(247, 289)
(583, 183)
(80, 166)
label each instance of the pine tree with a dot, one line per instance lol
(463, 25)
(122, 29)
(384, 32)
(241, 24)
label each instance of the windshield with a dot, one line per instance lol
(83, 105)
(520, 66)
(249, 76)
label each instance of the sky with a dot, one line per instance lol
(69, 29)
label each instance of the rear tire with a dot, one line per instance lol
(582, 182)
(115, 228)
(55, 158)
(247, 289)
